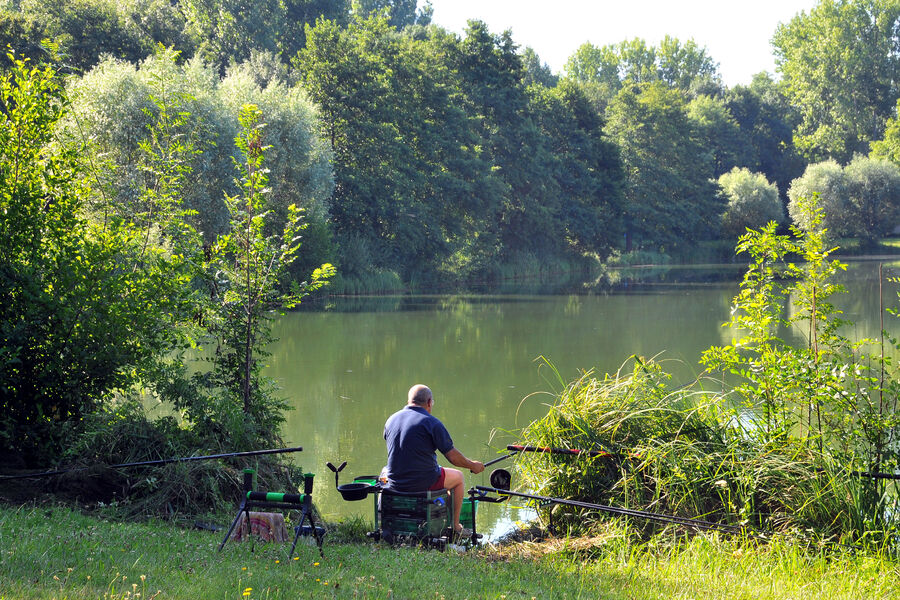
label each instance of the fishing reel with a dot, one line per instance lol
(501, 479)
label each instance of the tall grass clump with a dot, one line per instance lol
(787, 439)
(679, 452)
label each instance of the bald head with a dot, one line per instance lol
(419, 395)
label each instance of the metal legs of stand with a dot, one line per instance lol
(283, 502)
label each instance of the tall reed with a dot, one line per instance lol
(685, 452)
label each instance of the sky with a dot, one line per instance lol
(736, 34)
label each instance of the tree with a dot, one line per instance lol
(411, 184)
(21, 32)
(590, 64)
(674, 63)
(88, 307)
(841, 65)
(586, 168)
(859, 200)
(300, 13)
(400, 13)
(225, 31)
(537, 72)
(112, 106)
(889, 146)
(669, 199)
(767, 121)
(157, 23)
(752, 202)
(874, 190)
(720, 133)
(86, 29)
(827, 182)
(681, 65)
(247, 267)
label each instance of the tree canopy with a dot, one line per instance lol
(841, 66)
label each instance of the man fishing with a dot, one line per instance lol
(412, 436)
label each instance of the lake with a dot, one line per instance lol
(347, 365)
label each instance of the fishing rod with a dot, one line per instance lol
(515, 448)
(148, 463)
(625, 512)
(875, 475)
(570, 451)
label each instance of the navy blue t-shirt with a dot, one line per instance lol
(412, 437)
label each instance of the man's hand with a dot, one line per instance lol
(477, 467)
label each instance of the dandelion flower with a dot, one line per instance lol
(277, 561)
(315, 564)
(243, 568)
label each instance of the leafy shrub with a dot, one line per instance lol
(113, 106)
(752, 201)
(121, 432)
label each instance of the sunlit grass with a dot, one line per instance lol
(59, 553)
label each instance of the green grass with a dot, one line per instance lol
(59, 553)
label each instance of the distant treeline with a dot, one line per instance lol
(422, 156)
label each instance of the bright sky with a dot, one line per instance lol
(736, 34)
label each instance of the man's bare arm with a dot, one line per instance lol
(457, 459)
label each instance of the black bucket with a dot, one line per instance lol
(355, 491)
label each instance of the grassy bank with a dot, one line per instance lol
(58, 553)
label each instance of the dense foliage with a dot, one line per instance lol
(786, 439)
(859, 200)
(841, 68)
(443, 157)
(752, 201)
(88, 306)
(113, 104)
(105, 292)
(455, 156)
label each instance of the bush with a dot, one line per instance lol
(825, 180)
(121, 432)
(752, 202)
(677, 452)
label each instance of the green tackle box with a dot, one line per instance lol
(421, 515)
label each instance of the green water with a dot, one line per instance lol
(347, 368)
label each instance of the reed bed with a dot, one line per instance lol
(685, 452)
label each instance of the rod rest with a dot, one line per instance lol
(276, 497)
